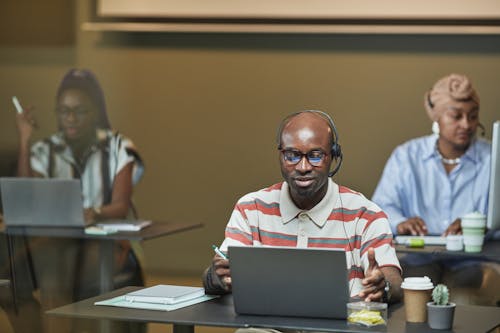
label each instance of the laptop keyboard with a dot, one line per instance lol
(428, 240)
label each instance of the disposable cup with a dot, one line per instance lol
(454, 243)
(417, 292)
(473, 228)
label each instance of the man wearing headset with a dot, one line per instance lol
(310, 210)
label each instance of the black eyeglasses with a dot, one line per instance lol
(293, 156)
(78, 112)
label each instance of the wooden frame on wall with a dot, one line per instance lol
(303, 9)
(299, 16)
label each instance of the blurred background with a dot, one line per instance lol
(203, 108)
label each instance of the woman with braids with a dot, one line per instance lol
(106, 163)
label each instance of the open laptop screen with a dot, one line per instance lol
(284, 281)
(42, 202)
(493, 221)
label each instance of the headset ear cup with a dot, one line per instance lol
(336, 150)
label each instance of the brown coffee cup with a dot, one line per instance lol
(417, 292)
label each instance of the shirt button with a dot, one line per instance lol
(302, 216)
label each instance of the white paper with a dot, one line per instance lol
(121, 302)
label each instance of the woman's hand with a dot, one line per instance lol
(454, 229)
(26, 123)
(413, 226)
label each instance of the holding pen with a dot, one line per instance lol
(219, 252)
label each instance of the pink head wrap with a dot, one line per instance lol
(454, 87)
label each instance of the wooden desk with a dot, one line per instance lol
(220, 312)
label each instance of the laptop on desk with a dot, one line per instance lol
(283, 281)
(427, 239)
(42, 202)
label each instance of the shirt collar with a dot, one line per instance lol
(318, 214)
(61, 146)
(101, 136)
(471, 152)
(429, 150)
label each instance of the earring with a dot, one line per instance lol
(435, 127)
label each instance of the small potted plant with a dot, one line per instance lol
(440, 311)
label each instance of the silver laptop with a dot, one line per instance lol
(283, 281)
(42, 202)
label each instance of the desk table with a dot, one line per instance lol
(220, 312)
(490, 251)
(106, 247)
(106, 242)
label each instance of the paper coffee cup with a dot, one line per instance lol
(473, 228)
(454, 243)
(417, 292)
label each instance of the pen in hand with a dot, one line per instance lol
(219, 252)
(17, 105)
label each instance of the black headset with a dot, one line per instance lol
(336, 150)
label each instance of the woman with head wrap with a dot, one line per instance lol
(430, 182)
(107, 164)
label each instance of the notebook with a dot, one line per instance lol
(123, 225)
(42, 202)
(283, 281)
(165, 294)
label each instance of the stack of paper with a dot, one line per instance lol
(160, 297)
(165, 294)
(124, 225)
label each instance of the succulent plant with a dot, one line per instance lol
(440, 295)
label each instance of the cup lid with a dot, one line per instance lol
(417, 283)
(474, 215)
(367, 306)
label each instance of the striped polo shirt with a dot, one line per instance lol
(342, 220)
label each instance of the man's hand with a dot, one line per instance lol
(374, 281)
(221, 269)
(454, 229)
(89, 215)
(413, 226)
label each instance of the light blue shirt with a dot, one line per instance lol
(415, 183)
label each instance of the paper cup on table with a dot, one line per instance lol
(417, 292)
(473, 228)
(454, 243)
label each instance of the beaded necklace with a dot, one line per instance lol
(448, 161)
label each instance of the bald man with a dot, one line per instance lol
(308, 198)
(430, 182)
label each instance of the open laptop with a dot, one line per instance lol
(493, 219)
(428, 239)
(42, 202)
(287, 281)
